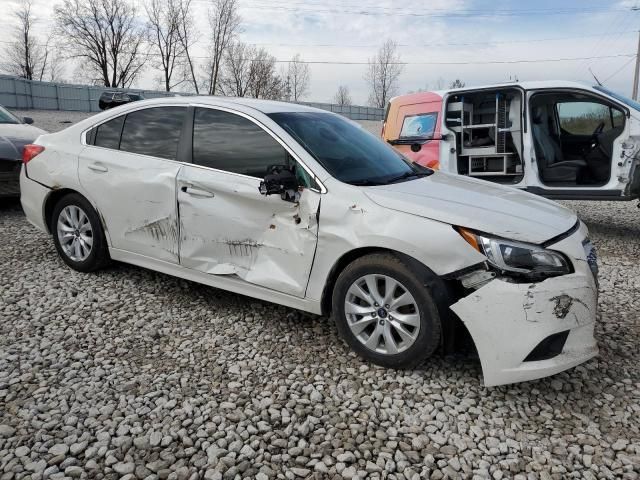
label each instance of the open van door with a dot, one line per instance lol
(583, 146)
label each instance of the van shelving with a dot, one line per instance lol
(482, 144)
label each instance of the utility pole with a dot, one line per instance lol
(636, 74)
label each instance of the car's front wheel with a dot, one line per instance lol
(78, 235)
(385, 312)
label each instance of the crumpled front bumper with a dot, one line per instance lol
(509, 320)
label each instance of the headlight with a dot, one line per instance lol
(518, 258)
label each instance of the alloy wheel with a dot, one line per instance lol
(382, 314)
(75, 233)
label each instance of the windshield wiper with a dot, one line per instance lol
(365, 183)
(408, 175)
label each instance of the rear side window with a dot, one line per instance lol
(107, 135)
(419, 126)
(153, 131)
(232, 143)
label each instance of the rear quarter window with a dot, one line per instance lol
(107, 135)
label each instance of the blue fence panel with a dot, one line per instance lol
(44, 96)
(24, 94)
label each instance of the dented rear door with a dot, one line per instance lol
(131, 178)
(228, 228)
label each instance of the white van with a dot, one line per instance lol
(561, 140)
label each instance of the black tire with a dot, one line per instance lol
(428, 338)
(99, 254)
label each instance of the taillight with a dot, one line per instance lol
(31, 151)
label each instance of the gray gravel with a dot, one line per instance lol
(127, 373)
(52, 120)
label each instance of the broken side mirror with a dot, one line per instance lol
(281, 181)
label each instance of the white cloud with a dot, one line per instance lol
(289, 27)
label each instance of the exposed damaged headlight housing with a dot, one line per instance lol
(531, 261)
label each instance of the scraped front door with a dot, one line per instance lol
(226, 226)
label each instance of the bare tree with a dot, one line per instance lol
(225, 24)
(164, 26)
(439, 84)
(250, 72)
(52, 67)
(108, 35)
(187, 33)
(55, 64)
(457, 83)
(383, 73)
(342, 96)
(265, 83)
(25, 56)
(236, 80)
(297, 78)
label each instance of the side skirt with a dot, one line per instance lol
(230, 283)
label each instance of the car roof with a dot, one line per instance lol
(264, 106)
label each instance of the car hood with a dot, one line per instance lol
(477, 204)
(15, 136)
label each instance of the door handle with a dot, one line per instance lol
(97, 168)
(196, 192)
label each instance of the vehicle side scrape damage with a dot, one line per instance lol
(161, 233)
(267, 242)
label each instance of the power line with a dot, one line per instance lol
(451, 14)
(619, 70)
(521, 11)
(434, 44)
(489, 62)
(437, 44)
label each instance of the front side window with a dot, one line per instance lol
(107, 135)
(348, 152)
(419, 126)
(229, 142)
(583, 118)
(153, 131)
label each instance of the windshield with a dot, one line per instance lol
(627, 101)
(349, 153)
(6, 117)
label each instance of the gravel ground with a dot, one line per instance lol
(127, 373)
(52, 120)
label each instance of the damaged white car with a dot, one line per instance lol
(303, 208)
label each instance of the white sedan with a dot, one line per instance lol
(304, 208)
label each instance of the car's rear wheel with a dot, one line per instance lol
(78, 235)
(385, 312)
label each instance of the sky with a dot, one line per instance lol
(477, 41)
